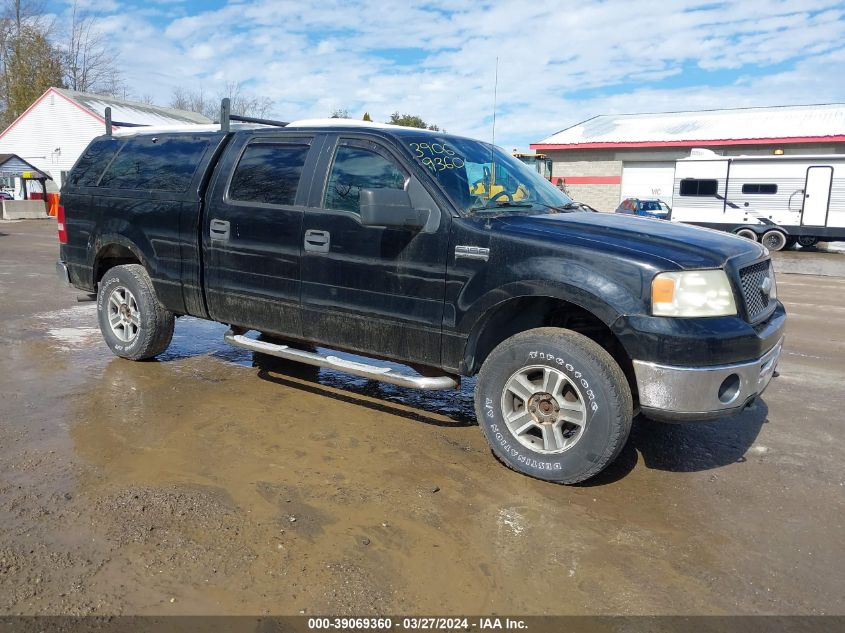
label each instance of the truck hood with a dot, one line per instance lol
(679, 244)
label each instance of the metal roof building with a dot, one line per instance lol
(608, 158)
(56, 128)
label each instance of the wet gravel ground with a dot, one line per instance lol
(216, 481)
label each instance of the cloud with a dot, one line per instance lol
(559, 62)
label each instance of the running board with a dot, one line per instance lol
(364, 370)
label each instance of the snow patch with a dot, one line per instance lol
(74, 336)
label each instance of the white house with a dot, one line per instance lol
(56, 128)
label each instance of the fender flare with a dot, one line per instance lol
(487, 305)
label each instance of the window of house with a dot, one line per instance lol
(357, 168)
(150, 163)
(755, 188)
(696, 187)
(268, 173)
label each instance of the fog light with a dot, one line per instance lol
(729, 389)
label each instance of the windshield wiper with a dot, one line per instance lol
(569, 207)
(496, 206)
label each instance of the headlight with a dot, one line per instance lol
(692, 293)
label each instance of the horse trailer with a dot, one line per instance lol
(778, 200)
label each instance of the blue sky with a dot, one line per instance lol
(559, 62)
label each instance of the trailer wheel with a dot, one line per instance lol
(748, 234)
(774, 240)
(807, 241)
(553, 404)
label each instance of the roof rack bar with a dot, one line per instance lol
(225, 114)
(226, 117)
(126, 124)
(108, 121)
(252, 119)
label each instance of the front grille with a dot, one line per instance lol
(752, 279)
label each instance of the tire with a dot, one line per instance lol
(807, 241)
(749, 234)
(133, 322)
(587, 377)
(774, 240)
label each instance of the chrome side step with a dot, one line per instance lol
(364, 370)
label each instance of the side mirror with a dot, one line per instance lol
(390, 208)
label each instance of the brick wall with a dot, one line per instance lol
(602, 197)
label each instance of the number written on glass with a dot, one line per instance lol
(436, 156)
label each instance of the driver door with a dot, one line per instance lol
(371, 289)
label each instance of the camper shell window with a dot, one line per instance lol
(696, 187)
(752, 188)
(155, 164)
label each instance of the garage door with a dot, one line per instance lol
(648, 180)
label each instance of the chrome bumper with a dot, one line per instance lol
(62, 273)
(690, 393)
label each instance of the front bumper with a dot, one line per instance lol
(698, 393)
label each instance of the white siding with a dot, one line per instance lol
(52, 124)
(648, 180)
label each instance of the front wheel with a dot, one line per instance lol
(133, 322)
(553, 405)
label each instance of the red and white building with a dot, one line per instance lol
(57, 127)
(611, 157)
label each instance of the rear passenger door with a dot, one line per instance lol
(251, 233)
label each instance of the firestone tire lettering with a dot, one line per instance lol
(602, 385)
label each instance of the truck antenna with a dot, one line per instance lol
(493, 140)
(495, 92)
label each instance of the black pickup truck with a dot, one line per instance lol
(441, 253)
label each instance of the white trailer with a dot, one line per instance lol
(778, 200)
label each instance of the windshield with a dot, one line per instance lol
(651, 205)
(478, 177)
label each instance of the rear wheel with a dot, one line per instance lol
(553, 405)
(807, 241)
(748, 234)
(133, 322)
(774, 240)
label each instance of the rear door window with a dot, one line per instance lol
(268, 173)
(156, 163)
(355, 168)
(93, 161)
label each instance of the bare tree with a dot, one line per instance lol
(194, 101)
(29, 62)
(90, 62)
(242, 103)
(245, 104)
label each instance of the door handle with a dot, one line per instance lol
(317, 241)
(219, 230)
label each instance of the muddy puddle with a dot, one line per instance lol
(217, 481)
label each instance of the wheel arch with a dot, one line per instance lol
(115, 250)
(520, 313)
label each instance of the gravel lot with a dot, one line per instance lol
(212, 481)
